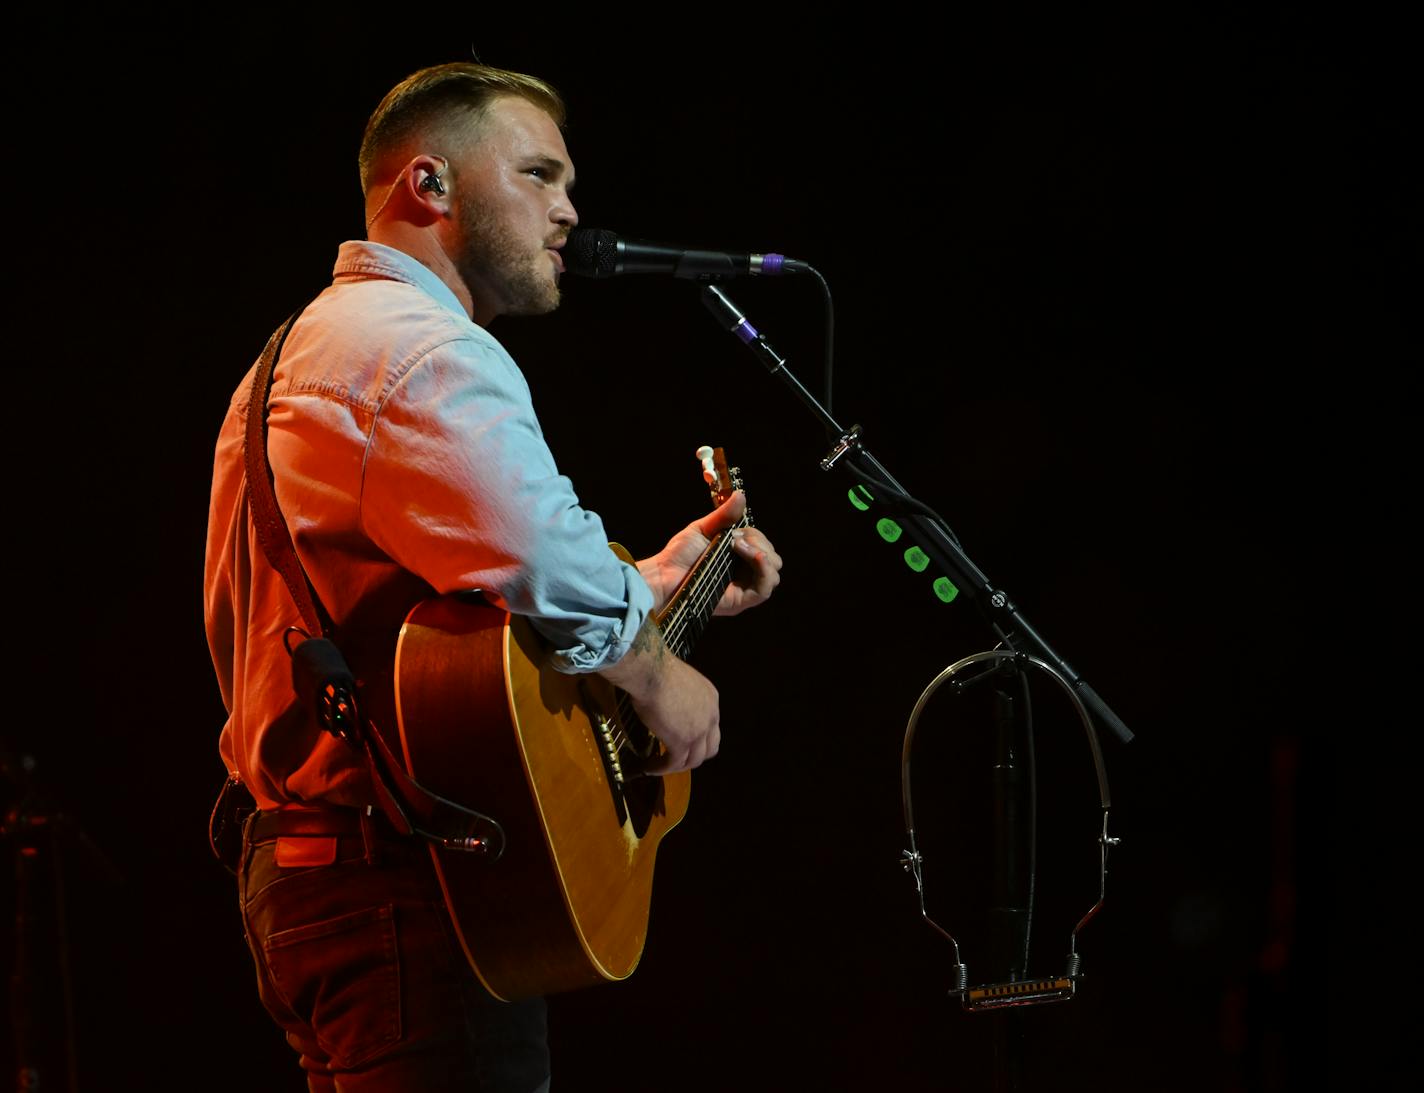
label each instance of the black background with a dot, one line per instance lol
(1084, 275)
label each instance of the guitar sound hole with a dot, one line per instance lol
(642, 801)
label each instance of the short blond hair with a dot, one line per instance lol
(435, 97)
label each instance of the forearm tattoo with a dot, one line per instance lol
(649, 639)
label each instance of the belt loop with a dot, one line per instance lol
(368, 836)
(248, 822)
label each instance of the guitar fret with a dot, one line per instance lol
(689, 613)
(692, 614)
(685, 618)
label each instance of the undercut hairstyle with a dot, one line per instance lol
(439, 97)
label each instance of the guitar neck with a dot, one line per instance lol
(685, 616)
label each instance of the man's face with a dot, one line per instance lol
(512, 206)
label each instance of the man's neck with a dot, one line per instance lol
(425, 247)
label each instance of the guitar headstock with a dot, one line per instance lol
(721, 479)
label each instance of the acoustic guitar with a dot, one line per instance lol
(557, 759)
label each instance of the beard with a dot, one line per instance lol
(517, 276)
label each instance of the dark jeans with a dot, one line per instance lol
(359, 963)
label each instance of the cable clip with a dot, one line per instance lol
(847, 441)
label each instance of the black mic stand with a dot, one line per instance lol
(928, 531)
(1014, 787)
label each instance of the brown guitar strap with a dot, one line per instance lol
(272, 531)
(319, 671)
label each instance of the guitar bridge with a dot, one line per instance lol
(608, 748)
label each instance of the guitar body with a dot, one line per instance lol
(485, 721)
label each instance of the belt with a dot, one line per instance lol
(309, 823)
(321, 836)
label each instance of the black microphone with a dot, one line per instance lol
(593, 252)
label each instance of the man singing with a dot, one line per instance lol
(408, 462)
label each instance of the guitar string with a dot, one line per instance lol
(721, 558)
(715, 565)
(718, 561)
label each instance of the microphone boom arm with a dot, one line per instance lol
(930, 533)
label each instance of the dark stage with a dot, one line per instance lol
(1076, 305)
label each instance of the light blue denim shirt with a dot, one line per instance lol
(407, 458)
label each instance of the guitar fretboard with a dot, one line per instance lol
(685, 616)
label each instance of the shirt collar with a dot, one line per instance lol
(360, 257)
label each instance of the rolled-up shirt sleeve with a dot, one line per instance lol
(459, 487)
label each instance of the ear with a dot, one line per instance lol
(427, 180)
(421, 183)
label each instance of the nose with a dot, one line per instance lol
(563, 213)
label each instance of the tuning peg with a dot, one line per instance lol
(709, 467)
